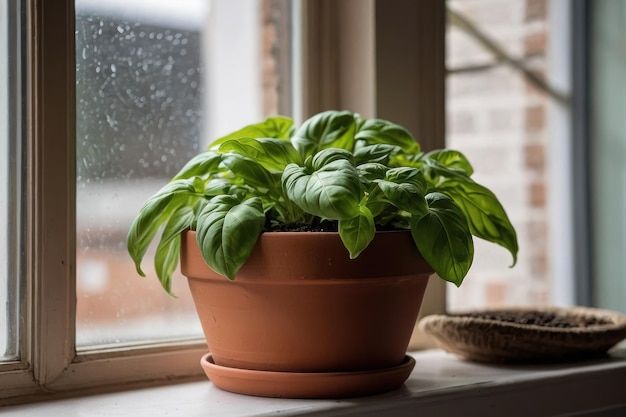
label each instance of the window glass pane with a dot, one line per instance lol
(507, 123)
(10, 134)
(609, 148)
(4, 174)
(156, 80)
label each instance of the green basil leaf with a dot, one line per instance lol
(277, 127)
(374, 131)
(272, 154)
(251, 172)
(357, 233)
(437, 173)
(407, 160)
(156, 211)
(380, 153)
(326, 156)
(359, 121)
(332, 192)
(217, 186)
(372, 171)
(382, 211)
(370, 175)
(197, 209)
(227, 231)
(405, 196)
(407, 175)
(443, 238)
(486, 216)
(451, 159)
(201, 165)
(405, 188)
(168, 250)
(330, 129)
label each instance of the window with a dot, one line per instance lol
(508, 110)
(155, 81)
(10, 179)
(61, 353)
(139, 87)
(375, 58)
(607, 150)
(85, 122)
(4, 180)
(562, 133)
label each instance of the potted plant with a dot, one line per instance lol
(308, 249)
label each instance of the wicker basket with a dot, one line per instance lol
(497, 341)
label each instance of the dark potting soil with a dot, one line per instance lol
(325, 226)
(302, 227)
(540, 318)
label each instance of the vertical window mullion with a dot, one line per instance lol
(410, 90)
(51, 226)
(581, 151)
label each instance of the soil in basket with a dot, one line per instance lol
(540, 318)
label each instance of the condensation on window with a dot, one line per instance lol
(139, 98)
(154, 81)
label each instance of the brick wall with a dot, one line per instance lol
(498, 119)
(276, 56)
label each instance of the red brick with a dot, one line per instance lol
(537, 194)
(539, 264)
(535, 118)
(535, 43)
(534, 157)
(531, 88)
(535, 10)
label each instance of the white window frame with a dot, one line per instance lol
(398, 73)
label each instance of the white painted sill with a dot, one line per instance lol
(439, 385)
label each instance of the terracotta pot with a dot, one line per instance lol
(299, 304)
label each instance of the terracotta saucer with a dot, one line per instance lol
(307, 385)
(497, 341)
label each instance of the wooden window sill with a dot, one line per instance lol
(439, 385)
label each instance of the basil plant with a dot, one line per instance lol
(358, 175)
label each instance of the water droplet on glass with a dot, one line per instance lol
(134, 126)
(111, 121)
